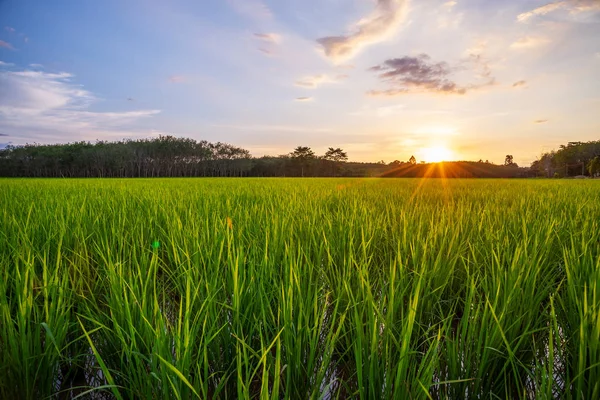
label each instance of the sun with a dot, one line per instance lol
(437, 154)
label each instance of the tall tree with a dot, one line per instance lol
(509, 160)
(594, 166)
(412, 160)
(303, 156)
(336, 156)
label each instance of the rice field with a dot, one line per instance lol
(299, 289)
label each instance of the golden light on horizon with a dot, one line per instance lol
(437, 154)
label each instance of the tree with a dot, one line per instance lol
(594, 166)
(303, 156)
(509, 160)
(412, 160)
(336, 156)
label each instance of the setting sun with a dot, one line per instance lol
(436, 154)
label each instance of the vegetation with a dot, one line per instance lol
(575, 158)
(337, 288)
(167, 156)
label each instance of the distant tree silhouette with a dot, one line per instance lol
(336, 156)
(303, 156)
(509, 160)
(412, 160)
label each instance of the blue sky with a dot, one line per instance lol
(383, 79)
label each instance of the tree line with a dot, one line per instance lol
(572, 159)
(169, 156)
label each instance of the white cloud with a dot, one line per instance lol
(5, 64)
(35, 104)
(312, 82)
(529, 42)
(382, 23)
(572, 6)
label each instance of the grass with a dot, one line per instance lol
(316, 288)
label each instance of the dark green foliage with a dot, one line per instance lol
(569, 160)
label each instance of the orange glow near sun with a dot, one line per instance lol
(437, 154)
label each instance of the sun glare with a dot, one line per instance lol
(436, 154)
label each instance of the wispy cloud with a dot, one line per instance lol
(254, 9)
(383, 22)
(312, 82)
(419, 74)
(35, 104)
(273, 128)
(540, 121)
(304, 99)
(5, 64)
(6, 45)
(529, 42)
(270, 42)
(268, 37)
(9, 29)
(267, 52)
(177, 79)
(384, 111)
(519, 84)
(572, 6)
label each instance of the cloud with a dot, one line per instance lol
(177, 79)
(450, 4)
(540, 121)
(312, 82)
(529, 42)
(385, 111)
(267, 52)
(5, 64)
(382, 23)
(268, 37)
(572, 6)
(519, 84)
(274, 128)
(6, 45)
(304, 99)
(3, 134)
(254, 9)
(36, 65)
(420, 74)
(9, 29)
(35, 104)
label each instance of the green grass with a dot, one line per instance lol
(315, 288)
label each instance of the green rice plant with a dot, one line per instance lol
(299, 288)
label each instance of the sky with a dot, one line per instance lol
(382, 79)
